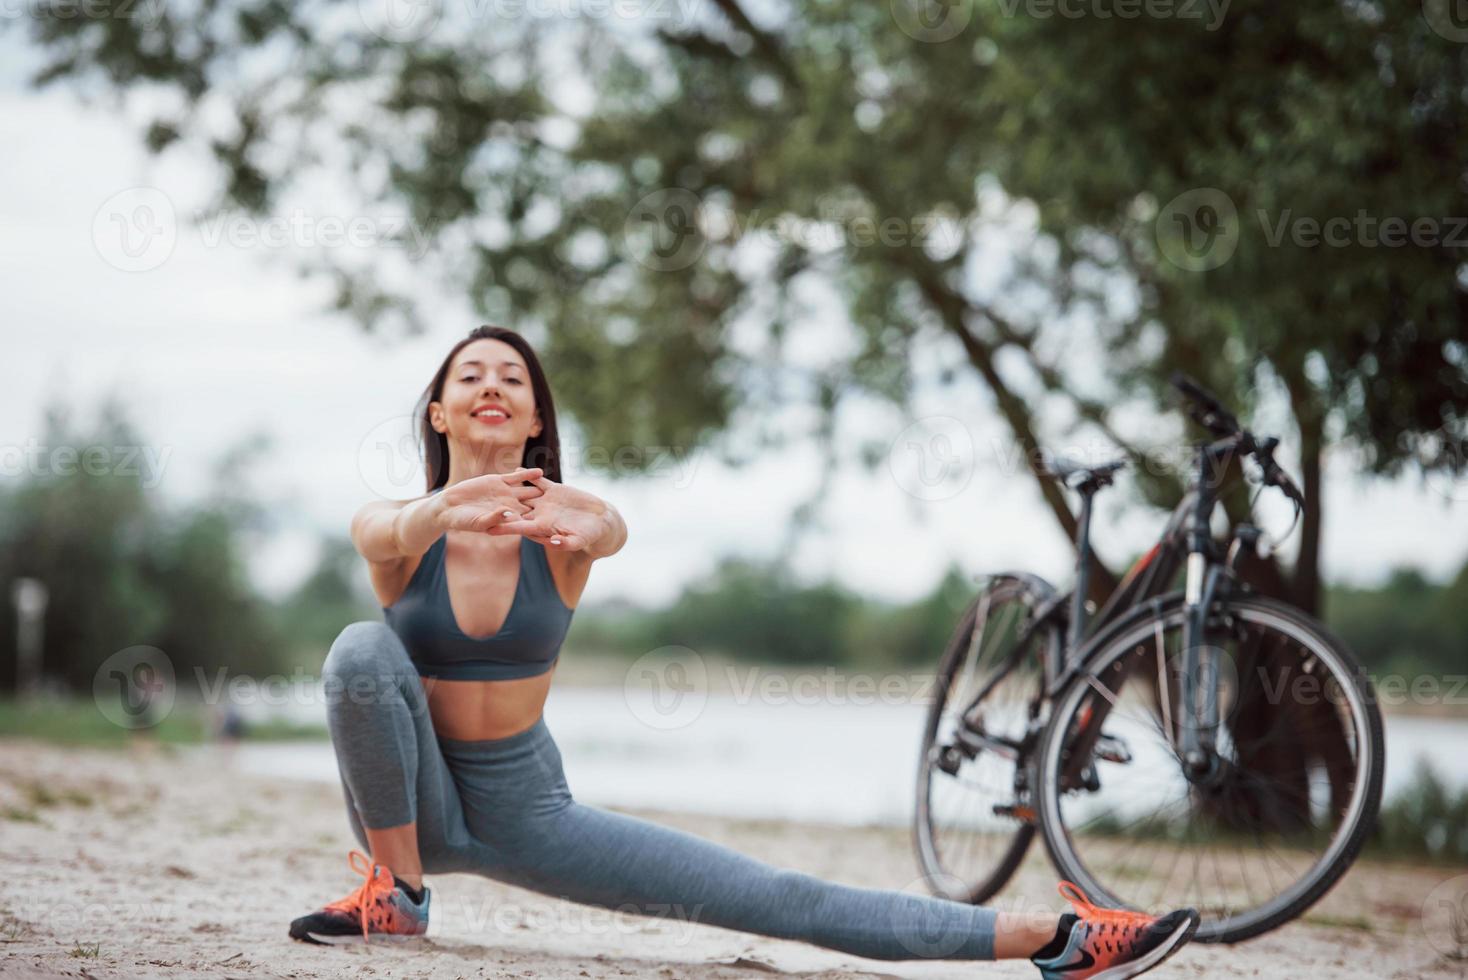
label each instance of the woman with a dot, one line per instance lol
(446, 762)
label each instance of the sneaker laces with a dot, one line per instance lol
(367, 901)
(1098, 919)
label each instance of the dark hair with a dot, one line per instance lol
(543, 450)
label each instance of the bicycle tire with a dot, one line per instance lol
(1031, 591)
(1118, 640)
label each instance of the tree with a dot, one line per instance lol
(120, 569)
(1004, 188)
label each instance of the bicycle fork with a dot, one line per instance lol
(1198, 681)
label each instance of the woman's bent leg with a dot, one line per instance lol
(392, 770)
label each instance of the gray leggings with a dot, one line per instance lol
(501, 808)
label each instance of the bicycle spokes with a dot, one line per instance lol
(975, 816)
(1268, 796)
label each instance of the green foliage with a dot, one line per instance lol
(123, 569)
(759, 612)
(1425, 820)
(576, 226)
(756, 612)
(1407, 627)
(119, 569)
(309, 619)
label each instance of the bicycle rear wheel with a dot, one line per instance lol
(974, 818)
(1290, 794)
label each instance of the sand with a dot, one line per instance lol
(159, 863)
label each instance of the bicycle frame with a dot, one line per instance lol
(1148, 577)
(1186, 541)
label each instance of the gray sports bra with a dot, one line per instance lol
(529, 643)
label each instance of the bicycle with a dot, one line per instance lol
(1252, 722)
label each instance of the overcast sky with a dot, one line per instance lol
(220, 340)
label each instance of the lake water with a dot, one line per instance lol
(818, 762)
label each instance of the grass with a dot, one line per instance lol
(1427, 820)
(11, 928)
(86, 952)
(1355, 923)
(77, 721)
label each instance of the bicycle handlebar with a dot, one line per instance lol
(1209, 412)
(1206, 409)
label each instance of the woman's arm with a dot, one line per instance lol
(611, 536)
(388, 531)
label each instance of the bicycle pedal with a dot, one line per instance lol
(1109, 748)
(1016, 811)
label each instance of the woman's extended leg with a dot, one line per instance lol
(517, 804)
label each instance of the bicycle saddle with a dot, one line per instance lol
(1080, 476)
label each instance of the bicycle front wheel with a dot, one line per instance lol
(1288, 795)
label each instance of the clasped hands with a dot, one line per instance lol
(524, 502)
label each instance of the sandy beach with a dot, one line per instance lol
(153, 862)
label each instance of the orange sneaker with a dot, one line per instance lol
(379, 908)
(1112, 944)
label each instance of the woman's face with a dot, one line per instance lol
(487, 402)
